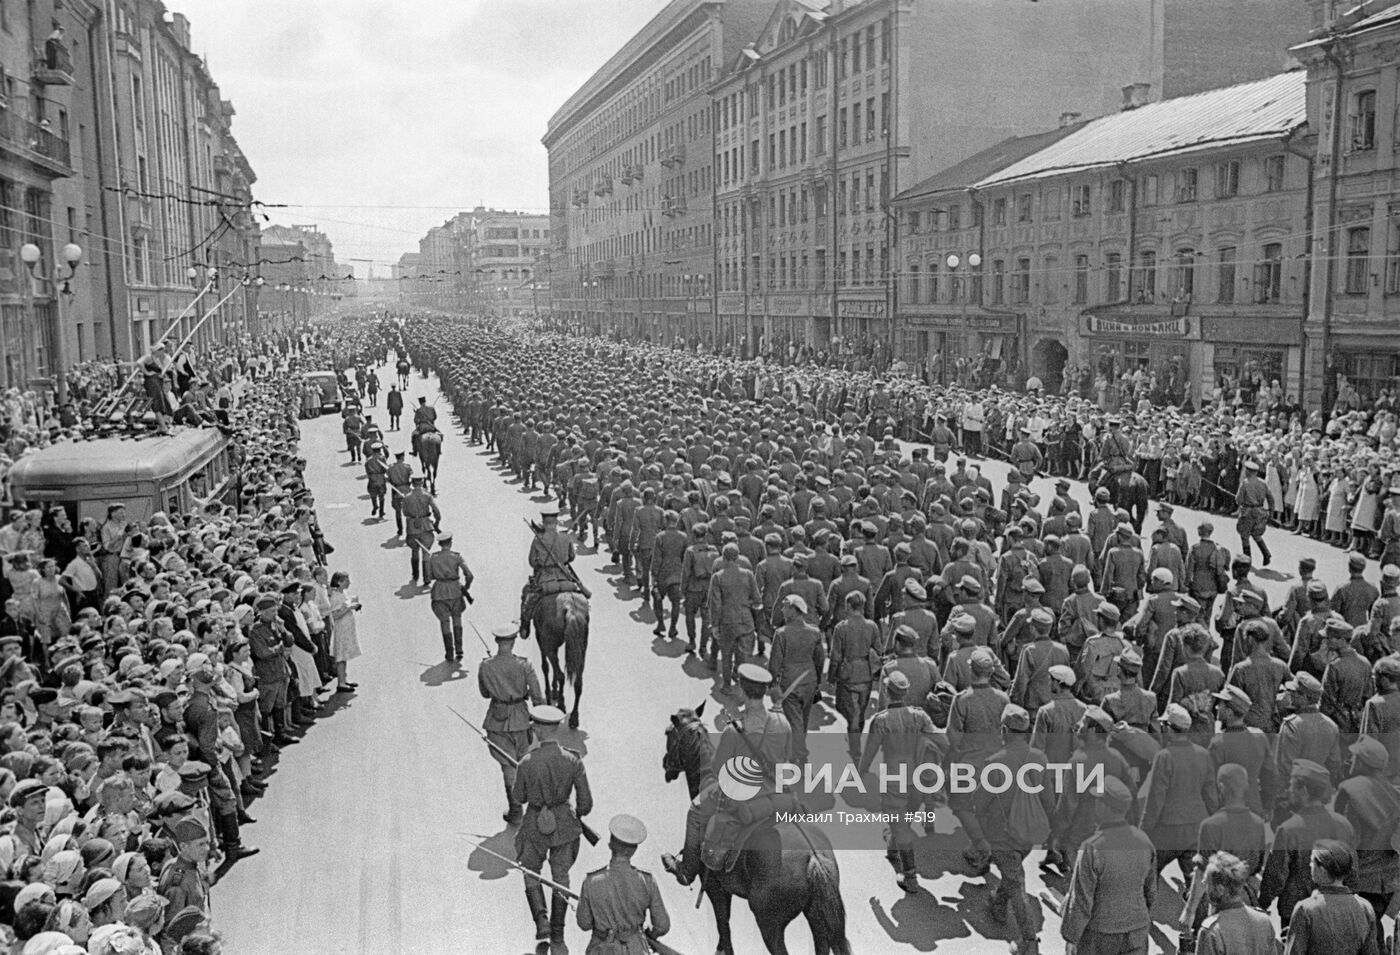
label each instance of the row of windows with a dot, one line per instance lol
(857, 266)
(1148, 281)
(1183, 187)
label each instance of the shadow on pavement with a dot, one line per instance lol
(1268, 574)
(448, 671)
(408, 591)
(671, 649)
(488, 865)
(913, 922)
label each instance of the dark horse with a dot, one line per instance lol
(429, 454)
(561, 620)
(1128, 490)
(784, 871)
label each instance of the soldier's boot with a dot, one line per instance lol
(526, 608)
(558, 918)
(1264, 550)
(457, 641)
(446, 643)
(687, 866)
(689, 632)
(234, 849)
(908, 871)
(513, 812)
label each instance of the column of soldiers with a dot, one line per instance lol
(820, 560)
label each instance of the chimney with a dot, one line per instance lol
(1069, 119)
(1135, 95)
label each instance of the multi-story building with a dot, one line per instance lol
(1169, 237)
(631, 176)
(820, 114)
(507, 250)
(1353, 63)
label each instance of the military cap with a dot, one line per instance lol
(1337, 626)
(291, 587)
(1062, 484)
(194, 771)
(189, 829)
(962, 622)
(11, 639)
(897, 681)
(971, 584)
(905, 635)
(164, 698)
(399, 454)
(1032, 585)
(545, 715)
(1042, 617)
(773, 540)
(1164, 508)
(1102, 495)
(1308, 563)
(416, 479)
(1124, 529)
(1237, 698)
(1370, 751)
(1390, 572)
(1163, 575)
(1015, 718)
(754, 673)
(1387, 666)
(1015, 530)
(43, 696)
(1099, 717)
(265, 602)
(1356, 562)
(982, 661)
(796, 602)
(506, 631)
(1062, 674)
(26, 790)
(1308, 770)
(1187, 601)
(1129, 659)
(1306, 684)
(172, 803)
(849, 560)
(1176, 717)
(1116, 794)
(914, 589)
(445, 537)
(627, 830)
(1074, 519)
(1251, 465)
(1240, 560)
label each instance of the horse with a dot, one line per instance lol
(1128, 490)
(783, 871)
(429, 454)
(562, 620)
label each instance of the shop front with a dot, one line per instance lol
(1119, 344)
(962, 346)
(860, 315)
(1252, 351)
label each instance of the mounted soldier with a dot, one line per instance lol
(551, 566)
(424, 420)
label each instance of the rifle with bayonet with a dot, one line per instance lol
(565, 569)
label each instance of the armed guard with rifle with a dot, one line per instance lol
(551, 568)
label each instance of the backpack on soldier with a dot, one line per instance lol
(1027, 824)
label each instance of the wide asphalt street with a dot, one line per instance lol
(361, 829)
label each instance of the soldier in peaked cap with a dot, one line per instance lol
(182, 881)
(797, 659)
(399, 477)
(615, 902)
(1255, 501)
(758, 733)
(511, 685)
(422, 519)
(1114, 882)
(451, 580)
(551, 559)
(548, 777)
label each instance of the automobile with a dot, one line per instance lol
(330, 389)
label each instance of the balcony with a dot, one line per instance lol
(580, 197)
(604, 187)
(35, 143)
(222, 164)
(673, 206)
(675, 156)
(53, 65)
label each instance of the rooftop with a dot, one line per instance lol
(982, 165)
(1233, 115)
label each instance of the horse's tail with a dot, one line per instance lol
(826, 913)
(575, 636)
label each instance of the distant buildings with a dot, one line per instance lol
(486, 260)
(299, 275)
(114, 138)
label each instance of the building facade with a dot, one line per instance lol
(819, 114)
(508, 250)
(1353, 64)
(1171, 237)
(631, 177)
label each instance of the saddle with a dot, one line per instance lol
(729, 830)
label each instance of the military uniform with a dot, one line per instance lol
(614, 903)
(1255, 501)
(548, 776)
(512, 685)
(451, 582)
(551, 558)
(399, 477)
(421, 519)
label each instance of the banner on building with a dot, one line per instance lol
(1179, 327)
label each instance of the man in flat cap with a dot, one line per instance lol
(1246, 746)
(1287, 875)
(451, 581)
(1032, 687)
(1113, 885)
(548, 778)
(616, 902)
(511, 685)
(1180, 794)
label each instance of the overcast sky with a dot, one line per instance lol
(348, 105)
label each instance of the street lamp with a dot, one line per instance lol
(29, 254)
(954, 261)
(72, 255)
